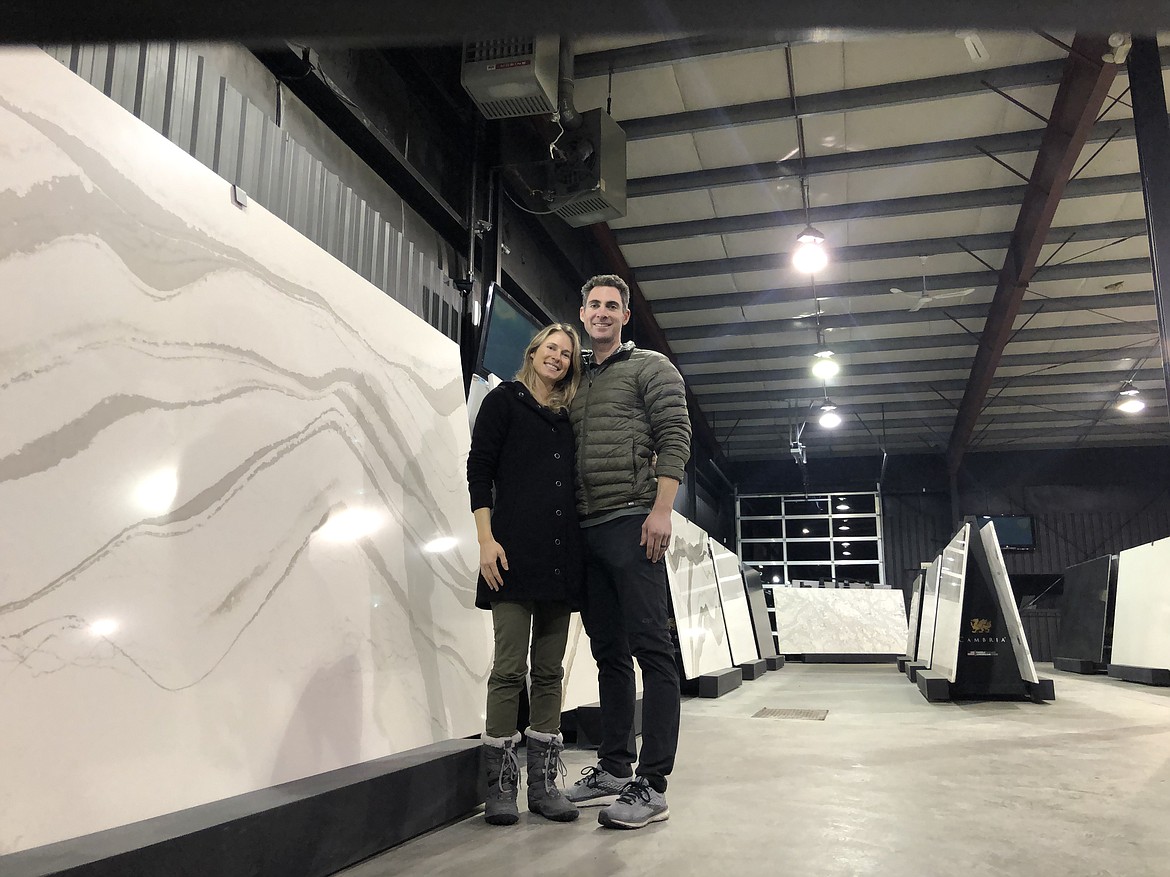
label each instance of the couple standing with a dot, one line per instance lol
(573, 471)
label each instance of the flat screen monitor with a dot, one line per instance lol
(508, 327)
(1013, 532)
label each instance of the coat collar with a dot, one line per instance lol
(524, 396)
(623, 352)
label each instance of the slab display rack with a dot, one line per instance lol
(977, 646)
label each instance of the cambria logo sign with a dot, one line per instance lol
(980, 625)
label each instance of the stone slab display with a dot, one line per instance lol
(236, 538)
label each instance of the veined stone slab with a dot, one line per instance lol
(694, 590)
(733, 596)
(840, 621)
(234, 524)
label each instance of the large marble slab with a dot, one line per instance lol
(1141, 620)
(694, 591)
(948, 625)
(736, 615)
(929, 609)
(233, 514)
(1002, 585)
(839, 621)
(915, 612)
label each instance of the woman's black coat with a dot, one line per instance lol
(525, 451)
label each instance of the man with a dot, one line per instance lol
(633, 439)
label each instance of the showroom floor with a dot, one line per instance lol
(886, 784)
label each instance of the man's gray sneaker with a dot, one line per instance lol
(637, 806)
(596, 788)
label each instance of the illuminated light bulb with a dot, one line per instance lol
(810, 258)
(829, 418)
(825, 366)
(1131, 406)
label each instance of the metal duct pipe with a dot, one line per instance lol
(570, 118)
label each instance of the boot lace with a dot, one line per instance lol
(553, 765)
(509, 770)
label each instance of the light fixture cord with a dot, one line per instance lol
(799, 131)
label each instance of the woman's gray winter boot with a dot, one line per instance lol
(544, 764)
(501, 770)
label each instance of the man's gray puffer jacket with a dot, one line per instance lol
(628, 409)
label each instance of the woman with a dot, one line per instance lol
(530, 564)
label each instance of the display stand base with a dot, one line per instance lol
(934, 686)
(753, 669)
(913, 668)
(774, 662)
(1078, 665)
(715, 684)
(311, 827)
(902, 661)
(1040, 690)
(1144, 675)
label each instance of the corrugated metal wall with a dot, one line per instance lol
(1073, 524)
(915, 528)
(173, 88)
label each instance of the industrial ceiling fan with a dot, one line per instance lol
(924, 297)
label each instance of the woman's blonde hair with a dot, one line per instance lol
(566, 388)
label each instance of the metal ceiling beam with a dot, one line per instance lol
(972, 199)
(1041, 383)
(1153, 141)
(951, 340)
(1036, 73)
(1084, 87)
(1097, 231)
(1064, 304)
(643, 317)
(645, 56)
(868, 159)
(852, 289)
(906, 367)
(913, 420)
(860, 436)
(448, 21)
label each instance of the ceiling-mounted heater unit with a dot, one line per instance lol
(591, 186)
(511, 77)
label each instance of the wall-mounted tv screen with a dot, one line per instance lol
(507, 329)
(1013, 532)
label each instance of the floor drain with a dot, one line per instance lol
(810, 715)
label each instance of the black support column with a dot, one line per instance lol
(1152, 127)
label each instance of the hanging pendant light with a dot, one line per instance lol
(1130, 401)
(829, 418)
(810, 255)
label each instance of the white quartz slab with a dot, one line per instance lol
(1141, 620)
(952, 582)
(1007, 603)
(915, 612)
(925, 648)
(580, 682)
(694, 590)
(840, 621)
(221, 458)
(736, 614)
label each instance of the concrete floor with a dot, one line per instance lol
(887, 785)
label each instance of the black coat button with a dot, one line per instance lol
(557, 571)
(559, 513)
(558, 484)
(556, 542)
(556, 456)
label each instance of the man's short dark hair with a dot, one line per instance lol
(606, 280)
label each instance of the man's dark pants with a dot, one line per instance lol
(626, 613)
